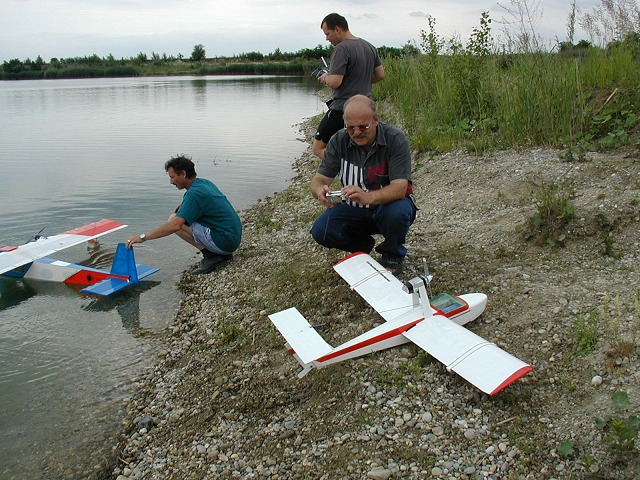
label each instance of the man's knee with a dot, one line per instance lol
(319, 232)
(400, 211)
(395, 218)
(327, 230)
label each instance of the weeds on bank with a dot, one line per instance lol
(554, 212)
(607, 226)
(608, 242)
(587, 332)
(401, 375)
(620, 429)
(567, 449)
(266, 223)
(574, 153)
(605, 322)
(229, 333)
(299, 281)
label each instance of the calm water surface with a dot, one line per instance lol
(75, 151)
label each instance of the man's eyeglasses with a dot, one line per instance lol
(362, 128)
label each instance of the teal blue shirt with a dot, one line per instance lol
(205, 204)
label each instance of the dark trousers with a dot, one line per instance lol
(351, 228)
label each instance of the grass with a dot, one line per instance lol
(554, 212)
(587, 332)
(466, 97)
(229, 333)
(605, 323)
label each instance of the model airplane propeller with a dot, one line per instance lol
(434, 324)
(30, 261)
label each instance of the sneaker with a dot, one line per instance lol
(211, 261)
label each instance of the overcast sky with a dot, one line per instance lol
(124, 28)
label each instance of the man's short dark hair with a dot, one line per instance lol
(334, 20)
(181, 163)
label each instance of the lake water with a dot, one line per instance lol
(76, 151)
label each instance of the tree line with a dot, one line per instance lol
(275, 63)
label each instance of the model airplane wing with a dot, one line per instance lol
(478, 361)
(375, 284)
(14, 257)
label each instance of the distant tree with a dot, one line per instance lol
(142, 58)
(198, 53)
(577, 49)
(13, 66)
(584, 44)
(252, 56)
(410, 49)
(277, 55)
(315, 53)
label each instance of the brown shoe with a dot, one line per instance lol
(395, 268)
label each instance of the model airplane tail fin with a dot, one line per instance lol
(124, 263)
(125, 270)
(303, 341)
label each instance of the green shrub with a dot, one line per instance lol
(554, 212)
(620, 430)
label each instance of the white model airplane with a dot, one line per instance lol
(433, 324)
(30, 261)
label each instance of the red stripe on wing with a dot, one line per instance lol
(95, 228)
(512, 378)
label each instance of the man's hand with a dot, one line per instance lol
(320, 186)
(132, 240)
(321, 195)
(357, 194)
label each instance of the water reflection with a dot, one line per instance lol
(125, 302)
(14, 292)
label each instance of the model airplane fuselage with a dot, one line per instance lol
(435, 324)
(30, 261)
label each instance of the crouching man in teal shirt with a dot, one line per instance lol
(205, 218)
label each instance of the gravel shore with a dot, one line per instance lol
(223, 400)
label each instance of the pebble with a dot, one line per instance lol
(380, 474)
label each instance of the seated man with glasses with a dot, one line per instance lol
(373, 161)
